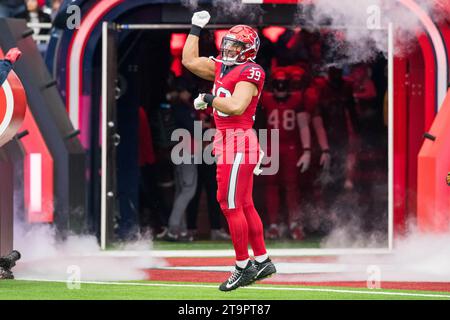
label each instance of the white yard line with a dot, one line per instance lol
(372, 292)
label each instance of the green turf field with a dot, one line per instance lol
(146, 290)
(223, 245)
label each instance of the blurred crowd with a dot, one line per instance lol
(35, 12)
(32, 10)
(332, 119)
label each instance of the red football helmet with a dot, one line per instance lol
(239, 45)
(298, 77)
(280, 73)
(280, 82)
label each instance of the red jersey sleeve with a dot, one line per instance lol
(253, 73)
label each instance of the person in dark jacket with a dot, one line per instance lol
(185, 172)
(34, 14)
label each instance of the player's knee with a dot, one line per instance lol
(190, 193)
(224, 204)
(226, 209)
(186, 193)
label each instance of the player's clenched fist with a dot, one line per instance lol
(257, 171)
(448, 178)
(200, 103)
(201, 18)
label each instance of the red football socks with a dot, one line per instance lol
(245, 227)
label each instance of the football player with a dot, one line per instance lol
(289, 107)
(238, 84)
(337, 109)
(281, 106)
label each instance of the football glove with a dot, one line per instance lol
(200, 103)
(201, 18)
(257, 171)
(304, 161)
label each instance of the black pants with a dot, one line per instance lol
(151, 198)
(207, 179)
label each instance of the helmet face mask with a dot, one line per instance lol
(239, 45)
(280, 88)
(231, 51)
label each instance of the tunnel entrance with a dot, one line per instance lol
(147, 61)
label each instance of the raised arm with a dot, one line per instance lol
(200, 66)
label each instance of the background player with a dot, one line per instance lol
(337, 108)
(289, 107)
(238, 84)
(281, 107)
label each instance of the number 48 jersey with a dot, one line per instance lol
(282, 115)
(224, 85)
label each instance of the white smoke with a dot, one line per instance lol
(364, 25)
(191, 4)
(236, 9)
(44, 257)
(415, 257)
(418, 257)
(233, 9)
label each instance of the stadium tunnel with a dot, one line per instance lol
(143, 57)
(74, 58)
(417, 78)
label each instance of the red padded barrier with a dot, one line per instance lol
(433, 193)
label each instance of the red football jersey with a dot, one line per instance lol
(224, 84)
(282, 115)
(311, 100)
